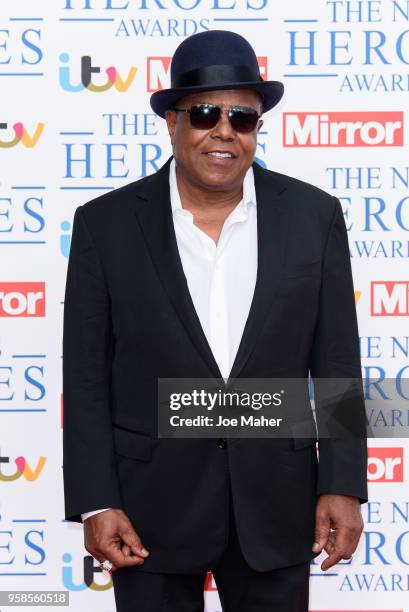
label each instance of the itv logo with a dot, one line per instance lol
(87, 70)
(21, 135)
(23, 468)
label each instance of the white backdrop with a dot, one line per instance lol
(62, 143)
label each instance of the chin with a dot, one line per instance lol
(220, 176)
(217, 181)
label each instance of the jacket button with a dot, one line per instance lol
(221, 443)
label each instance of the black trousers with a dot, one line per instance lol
(240, 588)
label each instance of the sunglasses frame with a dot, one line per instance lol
(229, 109)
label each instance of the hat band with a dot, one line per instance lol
(216, 75)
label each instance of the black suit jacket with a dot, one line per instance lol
(129, 319)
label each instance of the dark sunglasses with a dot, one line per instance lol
(206, 116)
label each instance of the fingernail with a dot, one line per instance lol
(316, 547)
(144, 552)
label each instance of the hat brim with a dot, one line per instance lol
(271, 91)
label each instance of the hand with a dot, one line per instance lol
(338, 527)
(110, 535)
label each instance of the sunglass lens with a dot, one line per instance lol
(243, 121)
(204, 116)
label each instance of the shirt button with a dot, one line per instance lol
(221, 443)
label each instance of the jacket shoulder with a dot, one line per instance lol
(116, 197)
(298, 187)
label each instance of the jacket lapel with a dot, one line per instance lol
(155, 219)
(154, 214)
(272, 226)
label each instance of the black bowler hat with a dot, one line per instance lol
(215, 59)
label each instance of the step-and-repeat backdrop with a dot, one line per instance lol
(75, 122)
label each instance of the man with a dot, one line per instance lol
(210, 267)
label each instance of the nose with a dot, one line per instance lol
(223, 128)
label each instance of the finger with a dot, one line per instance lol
(117, 557)
(112, 551)
(336, 555)
(130, 537)
(126, 551)
(346, 541)
(330, 545)
(322, 531)
(331, 560)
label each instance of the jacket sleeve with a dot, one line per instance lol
(335, 354)
(90, 479)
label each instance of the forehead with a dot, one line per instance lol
(239, 97)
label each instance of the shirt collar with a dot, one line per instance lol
(249, 191)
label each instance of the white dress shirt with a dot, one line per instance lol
(221, 278)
